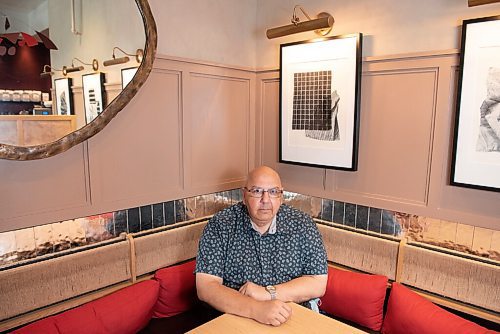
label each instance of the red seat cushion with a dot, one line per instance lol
(177, 290)
(44, 326)
(356, 297)
(79, 320)
(409, 313)
(127, 310)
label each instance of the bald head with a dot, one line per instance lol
(263, 172)
(262, 209)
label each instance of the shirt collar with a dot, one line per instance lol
(272, 227)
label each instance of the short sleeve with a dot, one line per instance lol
(314, 260)
(211, 250)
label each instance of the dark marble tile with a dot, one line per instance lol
(388, 223)
(338, 212)
(375, 220)
(237, 195)
(146, 217)
(169, 212)
(350, 215)
(133, 218)
(158, 217)
(327, 209)
(120, 218)
(180, 210)
(362, 217)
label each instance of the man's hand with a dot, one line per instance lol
(255, 291)
(272, 312)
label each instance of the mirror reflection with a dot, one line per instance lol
(62, 63)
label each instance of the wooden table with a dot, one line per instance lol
(302, 321)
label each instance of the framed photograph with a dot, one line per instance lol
(127, 75)
(63, 96)
(319, 102)
(93, 97)
(476, 146)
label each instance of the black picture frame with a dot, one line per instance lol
(127, 75)
(63, 96)
(476, 141)
(93, 95)
(320, 87)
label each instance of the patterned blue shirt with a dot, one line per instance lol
(229, 248)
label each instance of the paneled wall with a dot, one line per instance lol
(190, 130)
(406, 131)
(197, 128)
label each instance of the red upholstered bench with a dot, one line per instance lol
(409, 313)
(124, 311)
(166, 303)
(355, 297)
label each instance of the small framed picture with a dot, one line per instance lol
(93, 97)
(476, 147)
(63, 96)
(319, 102)
(128, 75)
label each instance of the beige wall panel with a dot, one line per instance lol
(366, 253)
(462, 279)
(267, 118)
(395, 136)
(43, 283)
(137, 159)
(41, 191)
(163, 249)
(217, 127)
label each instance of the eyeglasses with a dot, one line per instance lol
(259, 192)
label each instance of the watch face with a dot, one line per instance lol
(270, 288)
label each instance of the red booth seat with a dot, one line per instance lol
(125, 311)
(355, 297)
(409, 313)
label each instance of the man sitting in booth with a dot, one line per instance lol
(258, 254)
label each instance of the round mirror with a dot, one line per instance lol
(68, 67)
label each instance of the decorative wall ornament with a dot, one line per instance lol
(476, 149)
(319, 102)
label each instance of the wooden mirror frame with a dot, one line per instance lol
(12, 152)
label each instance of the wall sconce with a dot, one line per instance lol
(321, 25)
(139, 55)
(73, 68)
(48, 71)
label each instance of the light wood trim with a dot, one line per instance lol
(37, 117)
(64, 305)
(133, 262)
(473, 3)
(400, 259)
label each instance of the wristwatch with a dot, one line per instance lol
(272, 291)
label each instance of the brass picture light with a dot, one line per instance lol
(73, 68)
(322, 25)
(48, 71)
(139, 55)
